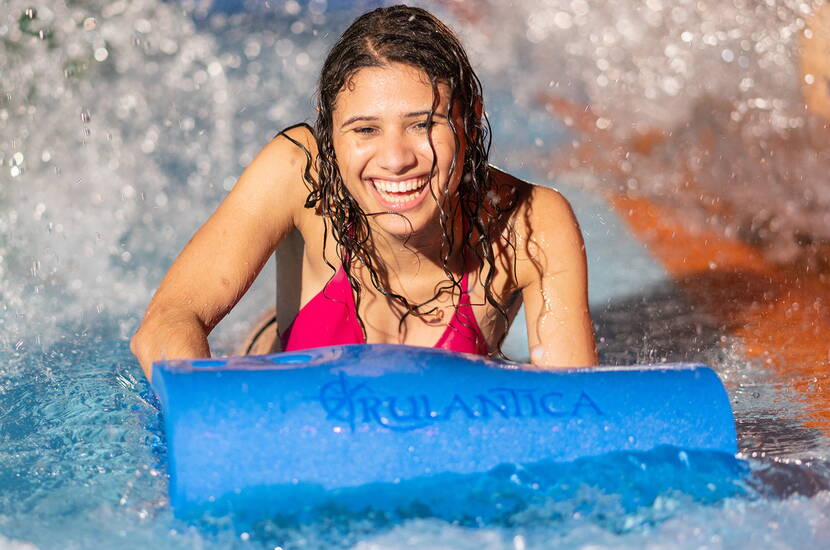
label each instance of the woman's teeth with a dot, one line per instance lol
(399, 191)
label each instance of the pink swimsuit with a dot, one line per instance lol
(330, 319)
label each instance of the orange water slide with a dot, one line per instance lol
(780, 314)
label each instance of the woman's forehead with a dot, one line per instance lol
(393, 89)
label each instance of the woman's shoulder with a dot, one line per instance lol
(533, 204)
(300, 135)
(279, 177)
(295, 144)
(547, 204)
(291, 157)
(542, 227)
(288, 161)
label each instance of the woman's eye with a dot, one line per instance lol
(422, 126)
(364, 130)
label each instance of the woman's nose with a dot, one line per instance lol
(396, 154)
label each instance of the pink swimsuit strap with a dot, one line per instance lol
(330, 319)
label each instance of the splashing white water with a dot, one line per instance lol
(101, 105)
(697, 104)
(124, 125)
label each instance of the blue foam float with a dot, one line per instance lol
(247, 432)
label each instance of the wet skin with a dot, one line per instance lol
(380, 137)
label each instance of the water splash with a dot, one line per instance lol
(698, 105)
(88, 150)
(124, 123)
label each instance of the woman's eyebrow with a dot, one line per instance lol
(423, 113)
(359, 118)
(366, 118)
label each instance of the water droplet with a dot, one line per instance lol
(169, 46)
(563, 20)
(252, 49)
(298, 27)
(143, 26)
(292, 7)
(214, 69)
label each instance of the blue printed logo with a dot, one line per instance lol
(355, 404)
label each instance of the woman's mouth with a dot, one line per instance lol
(401, 194)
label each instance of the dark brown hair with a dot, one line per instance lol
(414, 37)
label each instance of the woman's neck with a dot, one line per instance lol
(420, 255)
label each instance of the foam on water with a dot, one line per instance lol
(124, 123)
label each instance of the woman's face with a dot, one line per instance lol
(379, 134)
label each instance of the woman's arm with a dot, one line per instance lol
(552, 272)
(225, 255)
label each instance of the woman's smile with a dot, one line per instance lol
(399, 195)
(396, 149)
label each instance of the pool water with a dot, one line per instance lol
(125, 123)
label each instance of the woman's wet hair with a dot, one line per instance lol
(414, 37)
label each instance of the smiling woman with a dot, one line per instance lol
(411, 235)
(385, 155)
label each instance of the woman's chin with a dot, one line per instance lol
(401, 226)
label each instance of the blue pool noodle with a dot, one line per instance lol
(247, 432)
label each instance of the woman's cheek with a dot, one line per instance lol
(362, 153)
(350, 159)
(443, 149)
